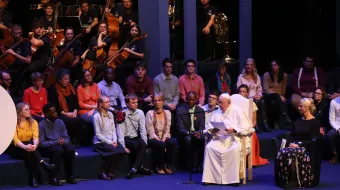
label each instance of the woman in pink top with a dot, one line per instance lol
(88, 94)
(250, 78)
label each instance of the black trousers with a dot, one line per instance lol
(74, 127)
(58, 154)
(332, 135)
(138, 148)
(158, 148)
(194, 148)
(276, 98)
(206, 42)
(31, 159)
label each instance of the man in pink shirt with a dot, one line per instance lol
(190, 81)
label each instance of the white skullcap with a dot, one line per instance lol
(225, 95)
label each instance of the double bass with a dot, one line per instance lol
(58, 37)
(113, 29)
(63, 59)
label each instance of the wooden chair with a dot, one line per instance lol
(246, 105)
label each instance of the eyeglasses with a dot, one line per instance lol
(318, 93)
(88, 76)
(213, 98)
(7, 80)
(190, 65)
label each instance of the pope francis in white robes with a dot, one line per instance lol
(222, 159)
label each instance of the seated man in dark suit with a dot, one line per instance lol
(190, 124)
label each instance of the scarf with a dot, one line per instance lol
(223, 86)
(155, 123)
(62, 93)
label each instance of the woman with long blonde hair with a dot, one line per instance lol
(108, 139)
(250, 78)
(25, 143)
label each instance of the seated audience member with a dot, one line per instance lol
(190, 126)
(250, 78)
(25, 143)
(158, 124)
(305, 80)
(108, 139)
(36, 96)
(109, 88)
(322, 108)
(334, 120)
(334, 85)
(190, 81)
(135, 137)
(294, 166)
(6, 81)
(211, 106)
(141, 85)
(274, 85)
(243, 90)
(55, 144)
(88, 94)
(220, 81)
(167, 83)
(223, 159)
(64, 96)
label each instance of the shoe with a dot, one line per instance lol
(103, 176)
(265, 126)
(286, 118)
(48, 167)
(111, 176)
(167, 171)
(160, 171)
(130, 174)
(276, 126)
(145, 171)
(334, 159)
(55, 182)
(33, 183)
(257, 129)
(71, 180)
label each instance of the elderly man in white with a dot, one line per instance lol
(223, 157)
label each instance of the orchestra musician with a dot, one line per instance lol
(48, 18)
(40, 47)
(116, 10)
(130, 18)
(22, 54)
(88, 16)
(97, 42)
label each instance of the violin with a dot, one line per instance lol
(34, 48)
(6, 59)
(64, 59)
(122, 55)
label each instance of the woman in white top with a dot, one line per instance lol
(250, 78)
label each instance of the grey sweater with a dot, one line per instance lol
(50, 133)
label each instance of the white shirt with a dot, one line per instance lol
(334, 113)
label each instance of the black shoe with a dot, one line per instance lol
(130, 174)
(71, 180)
(257, 129)
(286, 119)
(48, 167)
(265, 126)
(276, 126)
(145, 171)
(33, 183)
(55, 182)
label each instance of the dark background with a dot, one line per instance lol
(286, 30)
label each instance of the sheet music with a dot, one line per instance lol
(219, 125)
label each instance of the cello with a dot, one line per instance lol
(6, 42)
(64, 58)
(6, 59)
(58, 37)
(119, 57)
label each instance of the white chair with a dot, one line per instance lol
(247, 106)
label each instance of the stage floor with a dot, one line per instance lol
(263, 179)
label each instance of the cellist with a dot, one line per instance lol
(97, 42)
(40, 47)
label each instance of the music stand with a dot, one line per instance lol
(71, 21)
(190, 165)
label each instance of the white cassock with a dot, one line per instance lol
(222, 157)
